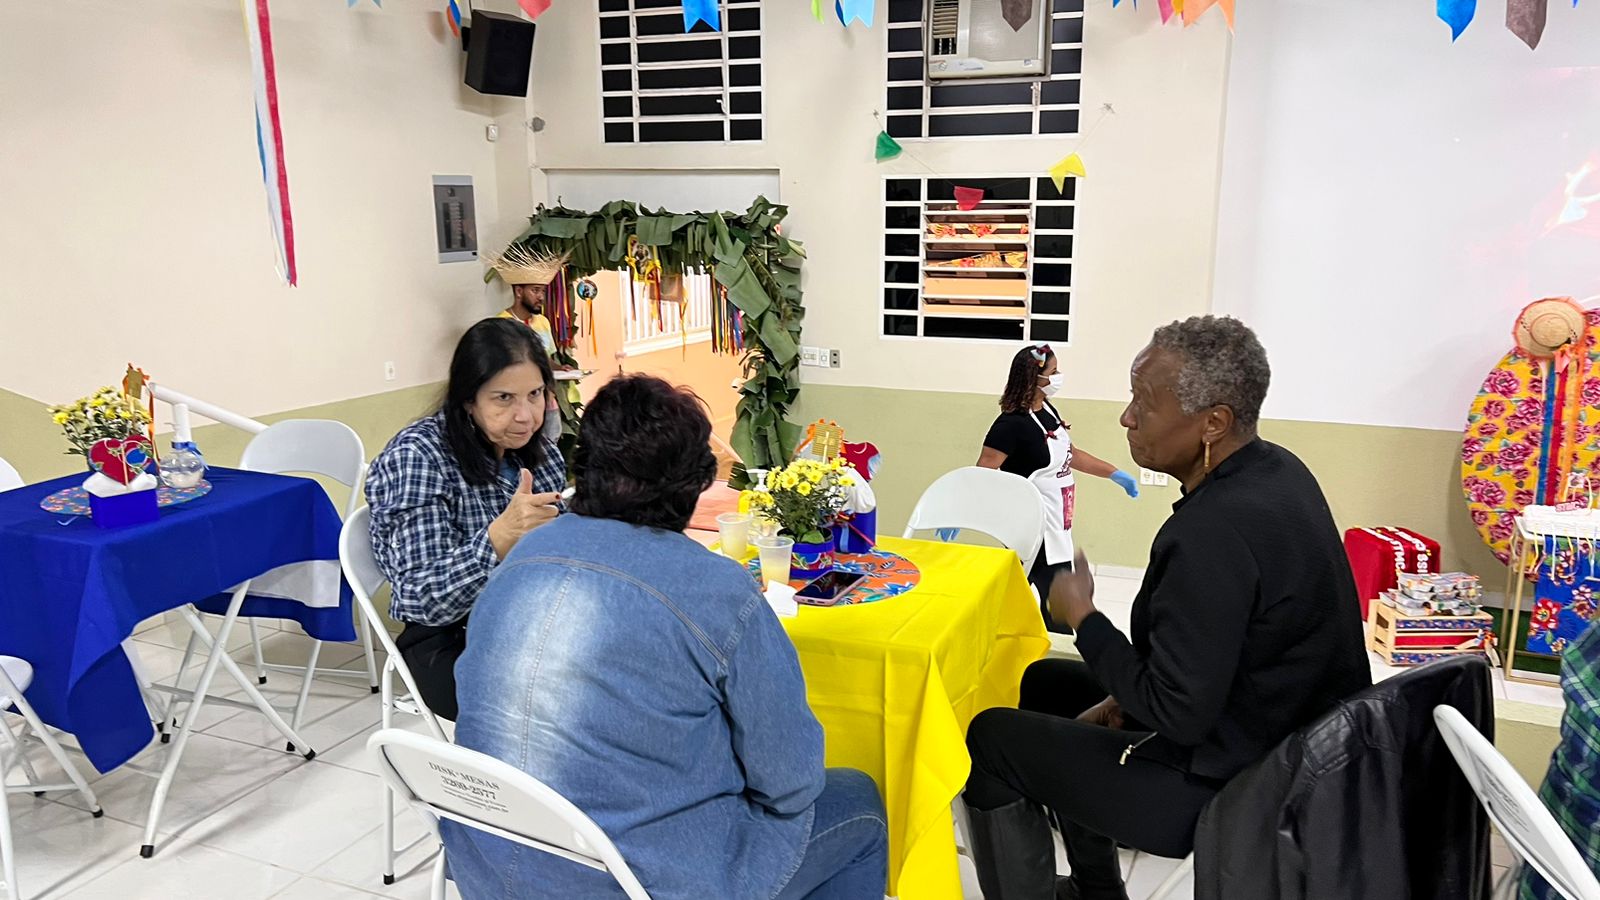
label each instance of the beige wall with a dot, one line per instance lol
(138, 230)
(1147, 211)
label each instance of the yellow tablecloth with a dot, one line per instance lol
(895, 684)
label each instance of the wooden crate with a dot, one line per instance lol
(1403, 639)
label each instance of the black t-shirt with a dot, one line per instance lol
(1019, 437)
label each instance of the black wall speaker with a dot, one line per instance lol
(499, 50)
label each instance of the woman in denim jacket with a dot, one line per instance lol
(648, 682)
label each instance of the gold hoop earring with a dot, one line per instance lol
(1208, 456)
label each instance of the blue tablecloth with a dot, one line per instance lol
(71, 593)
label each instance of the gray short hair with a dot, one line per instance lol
(1222, 363)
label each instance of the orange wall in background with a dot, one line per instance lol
(713, 377)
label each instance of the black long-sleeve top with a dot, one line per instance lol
(1247, 626)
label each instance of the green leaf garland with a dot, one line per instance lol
(748, 254)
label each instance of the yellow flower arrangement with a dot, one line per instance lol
(107, 413)
(803, 497)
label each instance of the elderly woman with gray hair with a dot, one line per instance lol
(1246, 628)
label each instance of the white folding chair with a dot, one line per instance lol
(15, 677)
(313, 447)
(365, 578)
(9, 478)
(999, 504)
(428, 773)
(1528, 828)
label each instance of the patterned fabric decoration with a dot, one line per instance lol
(75, 501)
(1564, 599)
(888, 575)
(1526, 432)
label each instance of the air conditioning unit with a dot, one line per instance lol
(972, 39)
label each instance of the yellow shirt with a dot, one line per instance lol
(540, 326)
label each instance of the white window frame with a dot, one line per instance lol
(921, 313)
(634, 93)
(640, 335)
(929, 112)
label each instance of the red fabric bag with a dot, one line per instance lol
(1378, 554)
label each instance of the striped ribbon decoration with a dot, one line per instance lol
(269, 133)
(452, 17)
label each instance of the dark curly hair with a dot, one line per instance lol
(1024, 378)
(487, 348)
(643, 454)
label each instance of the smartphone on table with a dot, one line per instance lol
(829, 589)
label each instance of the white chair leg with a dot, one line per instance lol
(366, 648)
(167, 724)
(18, 756)
(963, 821)
(255, 642)
(388, 835)
(1177, 877)
(305, 686)
(8, 865)
(53, 747)
(438, 876)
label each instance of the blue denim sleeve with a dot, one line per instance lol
(775, 736)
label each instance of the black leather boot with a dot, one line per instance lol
(1096, 865)
(1013, 853)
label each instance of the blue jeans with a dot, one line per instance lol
(847, 857)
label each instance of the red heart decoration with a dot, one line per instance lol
(121, 459)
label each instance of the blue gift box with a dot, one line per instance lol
(858, 534)
(134, 508)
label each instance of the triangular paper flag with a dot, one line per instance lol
(968, 198)
(533, 8)
(888, 147)
(1194, 9)
(1166, 10)
(816, 9)
(853, 10)
(694, 12)
(1526, 20)
(1227, 11)
(1016, 12)
(1177, 7)
(1072, 165)
(1457, 14)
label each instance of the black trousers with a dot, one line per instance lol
(1042, 753)
(430, 652)
(1040, 575)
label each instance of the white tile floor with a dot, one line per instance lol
(249, 821)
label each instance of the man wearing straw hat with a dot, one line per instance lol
(529, 272)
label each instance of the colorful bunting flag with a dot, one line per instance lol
(1457, 14)
(1166, 10)
(816, 9)
(697, 11)
(1526, 19)
(1194, 9)
(452, 17)
(853, 10)
(1016, 12)
(533, 9)
(888, 147)
(968, 198)
(1069, 165)
(269, 133)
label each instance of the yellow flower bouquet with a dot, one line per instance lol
(804, 498)
(107, 413)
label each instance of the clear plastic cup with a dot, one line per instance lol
(777, 553)
(735, 531)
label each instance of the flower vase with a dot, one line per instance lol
(812, 560)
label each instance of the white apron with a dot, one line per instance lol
(1057, 491)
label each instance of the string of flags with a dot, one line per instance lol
(967, 198)
(1524, 18)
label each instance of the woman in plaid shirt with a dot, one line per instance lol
(454, 492)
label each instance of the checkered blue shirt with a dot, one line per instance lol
(430, 528)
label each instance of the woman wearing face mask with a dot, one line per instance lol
(1031, 439)
(454, 492)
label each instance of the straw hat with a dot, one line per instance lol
(1547, 325)
(525, 265)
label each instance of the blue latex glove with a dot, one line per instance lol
(1126, 482)
(948, 534)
